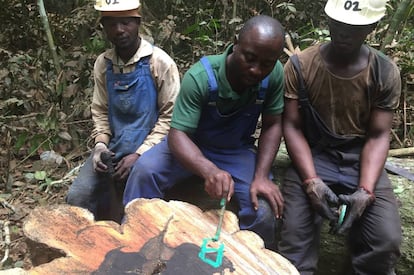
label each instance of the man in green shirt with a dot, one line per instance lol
(214, 119)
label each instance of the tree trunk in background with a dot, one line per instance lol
(404, 9)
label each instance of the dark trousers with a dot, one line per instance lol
(97, 192)
(374, 240)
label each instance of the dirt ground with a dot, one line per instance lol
(28, 193)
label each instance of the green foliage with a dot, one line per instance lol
(39, 106)
(77, 27)
(41, 178)
(43, 109)
(190, 29)
(403, 53)
(204, 32)
(17, 17)
(96, 45)
(185, 29)
(309, 35)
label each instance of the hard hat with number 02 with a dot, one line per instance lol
(121, 8)
(356, 12)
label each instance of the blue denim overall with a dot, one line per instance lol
(227, 141)
(132, 107)
(132, 112)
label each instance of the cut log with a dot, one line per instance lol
(156, 237)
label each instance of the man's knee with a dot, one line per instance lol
(77, 198)
(144, 167)
(85, 191)
(75, 195)
(265, 212)
(381, 253)
(264, 224)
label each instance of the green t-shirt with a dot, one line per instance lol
(194, 93)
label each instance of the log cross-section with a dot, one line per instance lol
(156, 237)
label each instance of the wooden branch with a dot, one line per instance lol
(6, 242)
(401, 152)
(290, 49)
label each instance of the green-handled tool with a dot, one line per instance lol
(342, 212)
(207, 249)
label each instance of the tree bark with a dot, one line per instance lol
(401, 152)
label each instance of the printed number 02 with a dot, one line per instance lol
(109, 2)
(352, 4)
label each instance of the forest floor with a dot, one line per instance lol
(27, 194)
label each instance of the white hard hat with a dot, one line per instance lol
(116, 5)
(356, 12)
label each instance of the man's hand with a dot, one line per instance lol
(123, 167)
(219, 184)
(98, 164)
(356, 204)
(320, 194)
(269, 190)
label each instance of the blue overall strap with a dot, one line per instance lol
(142, 61)
(145, 60)
(262, 91)
(212, 82)
(302, 92)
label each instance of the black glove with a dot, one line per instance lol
(108, 159)
(320, 194)
(356, 204)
